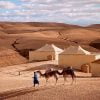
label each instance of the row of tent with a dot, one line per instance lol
(52, 52)
(73, 56)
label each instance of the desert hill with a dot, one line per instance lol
(32, 35)
(95, 27)
(10, 57)
(49, 30)
(35, 24)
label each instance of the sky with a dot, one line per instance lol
(80, 12)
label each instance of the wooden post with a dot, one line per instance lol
(19, 73)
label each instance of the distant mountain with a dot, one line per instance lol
(36, 24)
(95, 27)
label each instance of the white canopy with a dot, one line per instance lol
(51, 48)
(75, 50)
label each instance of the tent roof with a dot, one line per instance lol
(96, 61)
(48, 47)
(75, 50)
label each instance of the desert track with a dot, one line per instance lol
(83, 89)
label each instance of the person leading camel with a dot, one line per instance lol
(49, 74)
(35, 79)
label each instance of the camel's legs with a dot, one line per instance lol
(46, 80)
(73, 79)
(55, 76)
(64, 79)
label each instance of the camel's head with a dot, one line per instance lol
(39, 72)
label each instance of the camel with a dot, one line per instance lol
(67, 71)
(49, 74)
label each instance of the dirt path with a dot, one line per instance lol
(83, 89)
(14, 70)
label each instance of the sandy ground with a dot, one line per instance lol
(20, 87)
(83, 89)
(10, 78)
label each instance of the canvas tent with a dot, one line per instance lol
(47, 52)
(95, 68)
(97, 56)
(75, 56)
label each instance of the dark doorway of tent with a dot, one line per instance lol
(49, 57)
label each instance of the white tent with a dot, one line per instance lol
(95, 68)
(75, 50)
(47, 52)
(75, 56)
(97, 55)
(49, 47)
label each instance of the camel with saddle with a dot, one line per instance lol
(53, 73)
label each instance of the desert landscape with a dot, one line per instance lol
(49, 49)
(21, 37)
(29, 35)
(18, 38)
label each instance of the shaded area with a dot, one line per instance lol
(17, 92)
(95, 44)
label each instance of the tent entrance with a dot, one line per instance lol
(49, 57)
(86, 68)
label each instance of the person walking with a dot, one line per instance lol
(35, 79)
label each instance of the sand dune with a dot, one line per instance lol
(95, 27)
